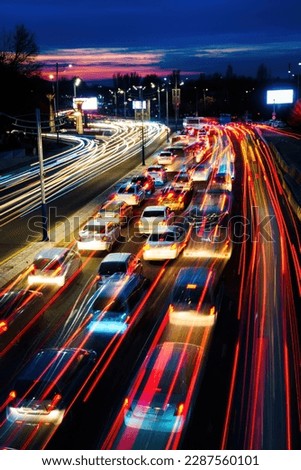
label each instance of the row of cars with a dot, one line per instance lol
(47, 385)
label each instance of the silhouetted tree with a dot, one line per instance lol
(19, 51)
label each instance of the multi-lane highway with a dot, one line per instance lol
(243, 390)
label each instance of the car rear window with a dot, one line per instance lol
(154, 213)
(162, 237)
(95, 228)
(108, 268)
(110, 304)
(47, 264)
(127, 190)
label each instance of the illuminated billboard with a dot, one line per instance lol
(280, 96)
(88, 104)
(137, 104)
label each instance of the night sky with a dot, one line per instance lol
(104, 37)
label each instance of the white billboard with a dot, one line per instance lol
(280, 96)
(137, 104)
(88, 104)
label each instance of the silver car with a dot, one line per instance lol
(54, 266)
(160, 397)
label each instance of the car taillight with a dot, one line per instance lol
(171, 308)
(126, 404)
(137, 198)
(173, 247)
(163, 222)
(33, 269)
(179, 409)
(146, 247)
(3, 326)
(146, 186)
(212, 311)
(54, 402)
(12, 395)
(105, 238)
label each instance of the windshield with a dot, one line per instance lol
(30, 390)
(47, 264)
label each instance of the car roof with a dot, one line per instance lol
(38, 364)
(111, 204)
(111, 257)
(51, 253)
(192, 275)
(96, 221)
(118, 286)
(155, 207)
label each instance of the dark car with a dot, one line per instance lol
(48, 385)
(13, 304)
(146, 181)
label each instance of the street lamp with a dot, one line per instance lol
(141, 88)
(114, 93)
(76, 83)
(166, 99)
(204, 98)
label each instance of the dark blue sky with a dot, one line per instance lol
(102, 37)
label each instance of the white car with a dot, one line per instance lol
(168, 244)
(116, 211)
(166, 157)
(155, 219)
(132, 194)
(98, 235)
(201, 172)
(182, 180)
(158, 174)
(160, 398)
(54, 266)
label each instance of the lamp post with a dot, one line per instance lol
(41, 165)
(114, 93)
(204, 99)
(142, 125)
(166, 102)
(76, 83)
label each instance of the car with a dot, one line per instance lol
(155, 219)
(201, 172)
(14, 303)
(48, 385)
(182, 180)
(214, 241)
(167, 244)
(221, 181)
(192, 298)
(124, 264)
(145, 181)
(166, 157)
(114, 305)
(132, 194)
(160, 398)
(116, 211)
(54, 266)
(98, 235)
(158, 174)
(213, 207)
(175, 198)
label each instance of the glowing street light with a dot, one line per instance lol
(76, 83)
